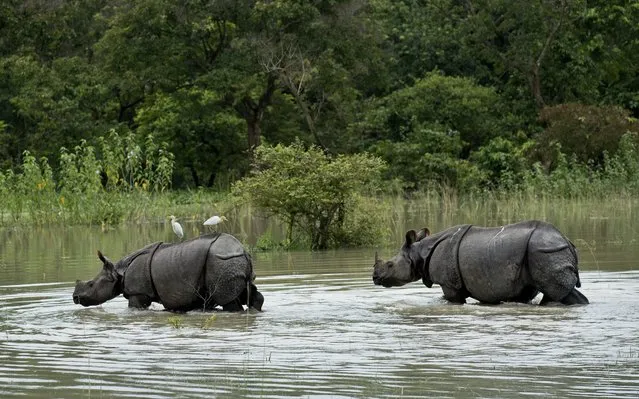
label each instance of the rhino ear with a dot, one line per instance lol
(411, 237)
(107, 264)
(422, 234)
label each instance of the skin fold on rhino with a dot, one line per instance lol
(511, 263)
(201, 273)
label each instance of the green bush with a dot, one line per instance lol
(436, 103)
(428, 157)
(78, 193)
(316, 195)
(503, 161)
(128, 165)
(584, 130)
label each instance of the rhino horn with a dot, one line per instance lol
(376, 257)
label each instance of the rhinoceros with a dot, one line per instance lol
(201, 273)
(511, 263)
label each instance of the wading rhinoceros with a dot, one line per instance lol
(201, 273)
(512, 263)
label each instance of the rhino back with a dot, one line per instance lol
(492, 261)
(211, 268)
(443, 265)
(177, 271)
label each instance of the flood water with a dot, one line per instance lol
(326, 330)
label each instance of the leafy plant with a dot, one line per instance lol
(428, 157)
(584, 130)
(209, 322)
(312, 192)
(503, 161)
(175, 322)
(128, 165)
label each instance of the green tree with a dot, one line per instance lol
(436, 102)
(503, 162)
(608, 36)
(324, 56)
(206, 138)
(315, 193)
(587, 131)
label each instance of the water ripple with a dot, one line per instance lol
(323, 335)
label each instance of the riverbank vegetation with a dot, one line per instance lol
(113, 111)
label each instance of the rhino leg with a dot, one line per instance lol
(257, 300)
(573, 298)
(552, 263)
(139, 301)
(526, 295)
(233, 306)
(454, 295)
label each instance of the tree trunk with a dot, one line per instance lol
(301, 103)
(194, 176)
(212, 177)
(253, 111)
(254, 131)
(535, 71)
(535, 85)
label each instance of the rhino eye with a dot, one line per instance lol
(90, 284)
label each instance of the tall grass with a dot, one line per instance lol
(128, 183)
(123, 181)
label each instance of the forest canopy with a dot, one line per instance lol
(471, 94)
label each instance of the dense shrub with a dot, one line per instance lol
(439, 103)
(584, 130)
(503, 162)
(319, 197)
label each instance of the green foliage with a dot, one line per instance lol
(571, 178)
(206, 139)
(428, 157)
(30, 193)
(312, 192)
(584, 130)
(439, 103)
(503, 161)
(621, 170)
(266, 242)
(128, 164)
(177, 95)
(79, 181)
(209, 322)
(175, 322)
(77, 194)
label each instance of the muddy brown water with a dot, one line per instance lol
(326, 330)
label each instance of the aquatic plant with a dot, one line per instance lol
(175, 322)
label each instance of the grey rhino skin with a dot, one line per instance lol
(204, 272)
(512, 263)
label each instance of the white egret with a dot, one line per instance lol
(177, 228)
(215, 220)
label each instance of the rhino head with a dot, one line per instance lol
(400, 269)
(103, 287)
